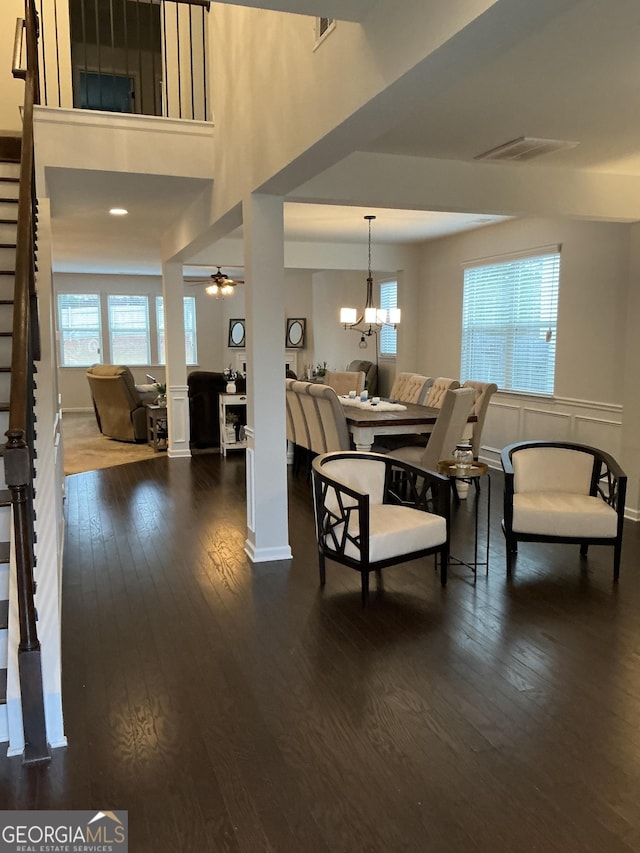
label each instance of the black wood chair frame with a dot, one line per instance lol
(608, 481)
(404, 485)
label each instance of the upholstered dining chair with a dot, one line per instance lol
(343, 381)
(482, 394)
(373, 511)
(410, 387)
(438, 389)
(557, 491)
(447, 431)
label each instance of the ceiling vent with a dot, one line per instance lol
(525, 148)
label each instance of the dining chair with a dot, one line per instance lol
(332, 419)
(438, 389)
(482, 394)
(297, 423)
(559, 491)
(343, 381)
(373, 511)
(447, 431)
(409, 387)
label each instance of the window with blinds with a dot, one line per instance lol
(191, 349)
(509, 322)
(129, 329)
(79, 329)
(388, 335)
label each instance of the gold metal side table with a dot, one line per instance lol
(473, 473)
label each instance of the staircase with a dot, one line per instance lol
(9, 180)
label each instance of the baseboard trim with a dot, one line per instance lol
(267, 555)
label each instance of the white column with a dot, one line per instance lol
(408, 279)
(174, 345)
(267, 525)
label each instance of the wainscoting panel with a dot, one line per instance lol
(544, 425)
(514, 417)
(605, 434)
(502, 425)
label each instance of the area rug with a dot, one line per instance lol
(85, 449)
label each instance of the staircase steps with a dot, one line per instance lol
(9, 186)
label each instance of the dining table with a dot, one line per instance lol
(366, 420)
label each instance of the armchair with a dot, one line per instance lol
(119, 406)
(374, 511)
(556, 491)
(370, 371)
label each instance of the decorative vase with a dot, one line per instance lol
(231, 387)
(161, 400)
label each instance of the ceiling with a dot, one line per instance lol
(574, 76)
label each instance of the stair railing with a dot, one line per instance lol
(19, 449)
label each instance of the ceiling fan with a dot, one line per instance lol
(218, 284)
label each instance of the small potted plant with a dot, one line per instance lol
(161, 399)
(230, 375)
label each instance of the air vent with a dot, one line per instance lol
(525, 148)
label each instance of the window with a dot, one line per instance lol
(129, 329)
(191, 349)
(323, 27)
(388, 335)
(509, 322)
(80, 330)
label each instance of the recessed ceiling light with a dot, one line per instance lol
(118, 211)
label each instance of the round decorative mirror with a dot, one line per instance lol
(295, 333)
(236, 333)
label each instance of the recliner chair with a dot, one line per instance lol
(370, 371)
(118, 404)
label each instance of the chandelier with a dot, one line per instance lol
(371, 319)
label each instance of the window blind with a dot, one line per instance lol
(509, 323)
(79, 328)
(129, 329)
(388, 335)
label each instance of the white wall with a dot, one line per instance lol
(591, 309)
(590, 393)
(212, 316)
(331, 342)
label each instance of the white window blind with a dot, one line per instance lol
(509, 322)
(129, 329)
(80, 330)
(190, 342)
(388, 335)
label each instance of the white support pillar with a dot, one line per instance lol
(267, 522)
(408, 278)
(174, 345)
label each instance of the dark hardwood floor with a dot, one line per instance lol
(231, 707)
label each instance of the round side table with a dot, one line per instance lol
(472, 473)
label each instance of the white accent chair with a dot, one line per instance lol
(373, 511)
(557, 491)
(447, 431)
